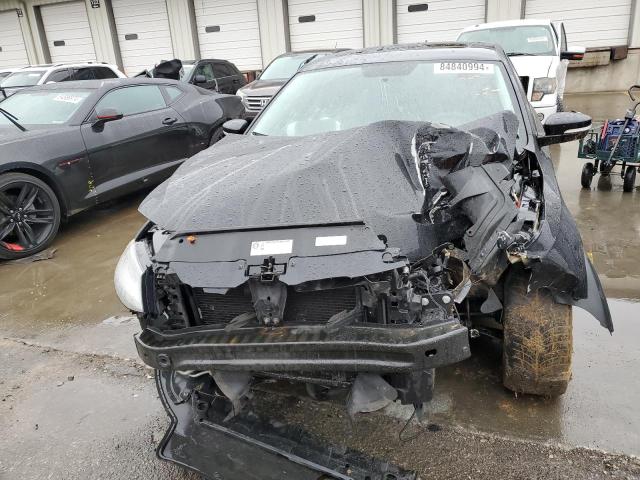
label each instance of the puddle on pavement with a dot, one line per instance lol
(76, 285)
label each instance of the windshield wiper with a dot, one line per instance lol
(520, 54)
(13, 119)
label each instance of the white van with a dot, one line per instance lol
(538, 50)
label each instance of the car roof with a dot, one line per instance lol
(507, 23)
(313, 51)
(106, 84)
(411, 51)
(47, 66)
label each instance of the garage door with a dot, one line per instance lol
(143, 33)
(325, 24)
(12, 50)
(436, 21)
(589, 23)
(228, 29)
(66, 28)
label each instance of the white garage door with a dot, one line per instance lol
(143, 33)
(325, 24)
(589, 23)
(12, 50)
(437, 20)
(66, 27)
(228, 29)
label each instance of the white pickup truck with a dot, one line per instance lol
(538, 49)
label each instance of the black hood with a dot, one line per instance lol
(367, 174)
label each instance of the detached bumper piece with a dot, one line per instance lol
(250, 448)
(373, 349)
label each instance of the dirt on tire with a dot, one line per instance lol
(538, 340)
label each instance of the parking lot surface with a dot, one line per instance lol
(76, 402)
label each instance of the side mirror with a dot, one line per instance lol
(199, 79)
(563, 127)
(237, 126)
(106, 115)
(573, 53)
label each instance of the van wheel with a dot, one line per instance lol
(29, 215)
(538, 340)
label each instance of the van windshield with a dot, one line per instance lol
(518, 40)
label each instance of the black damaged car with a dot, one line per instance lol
(388, 204)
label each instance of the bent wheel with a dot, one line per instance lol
(29, 215)
(538, 340)
(587, 175)
(629, 181)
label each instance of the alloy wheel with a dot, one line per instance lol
(27, 216)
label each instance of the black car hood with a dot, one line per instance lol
(367, 174)
(11, 134)
(264, 87)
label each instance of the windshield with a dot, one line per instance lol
(523, 39)
(43, 107)
(186, 70)
(453, 93)
(23, 79)
(285, 67)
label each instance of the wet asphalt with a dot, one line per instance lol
(76, 403)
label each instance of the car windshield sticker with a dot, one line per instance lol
(462, 67)
(536, 39)
(333, 240)
(271, 247)
(63, 97)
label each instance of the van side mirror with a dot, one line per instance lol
(237, 126)
(563, 127)
(573, 53)
(106, 115)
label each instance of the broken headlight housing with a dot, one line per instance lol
(128, 276)
(543, 86)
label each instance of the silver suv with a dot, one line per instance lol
(53, 73)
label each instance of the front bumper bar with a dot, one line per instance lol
(355, 348)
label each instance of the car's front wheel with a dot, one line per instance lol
(538, 340)
(29, 215)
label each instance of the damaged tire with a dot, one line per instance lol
(538, 340)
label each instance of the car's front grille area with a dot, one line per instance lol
(525, 84)
(316, 306)
(256, 104)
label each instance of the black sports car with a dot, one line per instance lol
(65, 147)
(386, 205)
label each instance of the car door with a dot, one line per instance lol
(205, 69)
(142, 147)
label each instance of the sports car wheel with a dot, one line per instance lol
(629, 182)
(538, 340)
(587, 175)
(29, 215)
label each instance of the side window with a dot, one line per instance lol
(132, 100)
(173, 92)
(229, 70)
(219, 70)
(84, 73)
(59, 76)
(102, 73)
(207, 70)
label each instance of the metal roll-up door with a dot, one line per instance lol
(325, 24)
(588, 23)
(66, 28)
(143, 33)
(229, 30)
(437, 20)
(13, 52)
